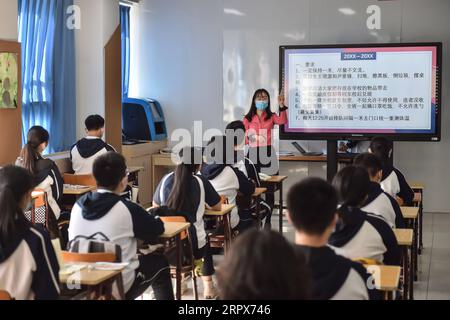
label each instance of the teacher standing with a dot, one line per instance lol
(259, 123)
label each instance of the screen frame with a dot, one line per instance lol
(433, 137)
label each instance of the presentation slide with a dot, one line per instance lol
(380, 90)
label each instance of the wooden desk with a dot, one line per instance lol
(411, 214)
(172, 229)
(96, 281)
(224, 215)
(172, 233)
(405, 239)
(419, 189)
(342, 158)
(276, 184)
(404, 236)
(69, 191)
(417, 185)
(387, 278)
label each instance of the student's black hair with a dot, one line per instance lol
(312, 205)
(252, 111)
(15, 183)
(370, 162)
(352, 185)
(381, 147)
(94, 122)
(262, 265)
(109, 169)
(181, 195)
(30, 154)
(236, 129)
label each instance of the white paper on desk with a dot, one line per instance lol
(108, 266)
(69, 269)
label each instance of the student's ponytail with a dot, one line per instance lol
(181, 194)
(15, 182)
(30, 153)
(352, 185)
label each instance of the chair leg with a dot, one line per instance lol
(194, 285)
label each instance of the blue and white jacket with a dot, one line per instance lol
(359, 234)
(382, 204)
(29, 269)
(122, 221)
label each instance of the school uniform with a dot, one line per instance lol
(335, 277)
(49, 179)
(228, 181)
(394, 183)
(382, 204)
(365, 235)
(204, 195)
(29, 269)
(249, 169)
(122, 222)
(84, 153)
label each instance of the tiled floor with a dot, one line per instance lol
(434, 263)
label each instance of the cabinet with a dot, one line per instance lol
(140, 155)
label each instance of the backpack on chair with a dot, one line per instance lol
(96, 243)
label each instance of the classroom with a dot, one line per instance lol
(224, 150)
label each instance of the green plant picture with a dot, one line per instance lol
(9, 75)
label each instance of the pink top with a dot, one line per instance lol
(262, 128)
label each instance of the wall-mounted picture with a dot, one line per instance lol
(9, 75)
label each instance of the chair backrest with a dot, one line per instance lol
(80, 180)
(368, 262)
(39, 198)
(176, 219)
(39, 212)
(4, 295)
(88, 257)
(224, 200)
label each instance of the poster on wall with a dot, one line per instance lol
(9, 75)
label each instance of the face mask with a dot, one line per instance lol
(261, 105)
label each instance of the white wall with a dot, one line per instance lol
(181, 47)
(8, 20)
(180, 60)
(99, 19)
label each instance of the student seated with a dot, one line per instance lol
(359, 234)
(28, 265)
(236, 131)
(124, 223)
(45, 172)
(86, 150)
(189, 194)
(378, 201)
(262, 265)
(312, 206)
(226, 180)
(392, 182)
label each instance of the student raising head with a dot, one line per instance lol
(189, 194)
(124, 223)
(359, 234)
(86, 150)
(312, 206)
(28, 265)
(262, 265)
(393, 182)
(46, 173)
(378, 201)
